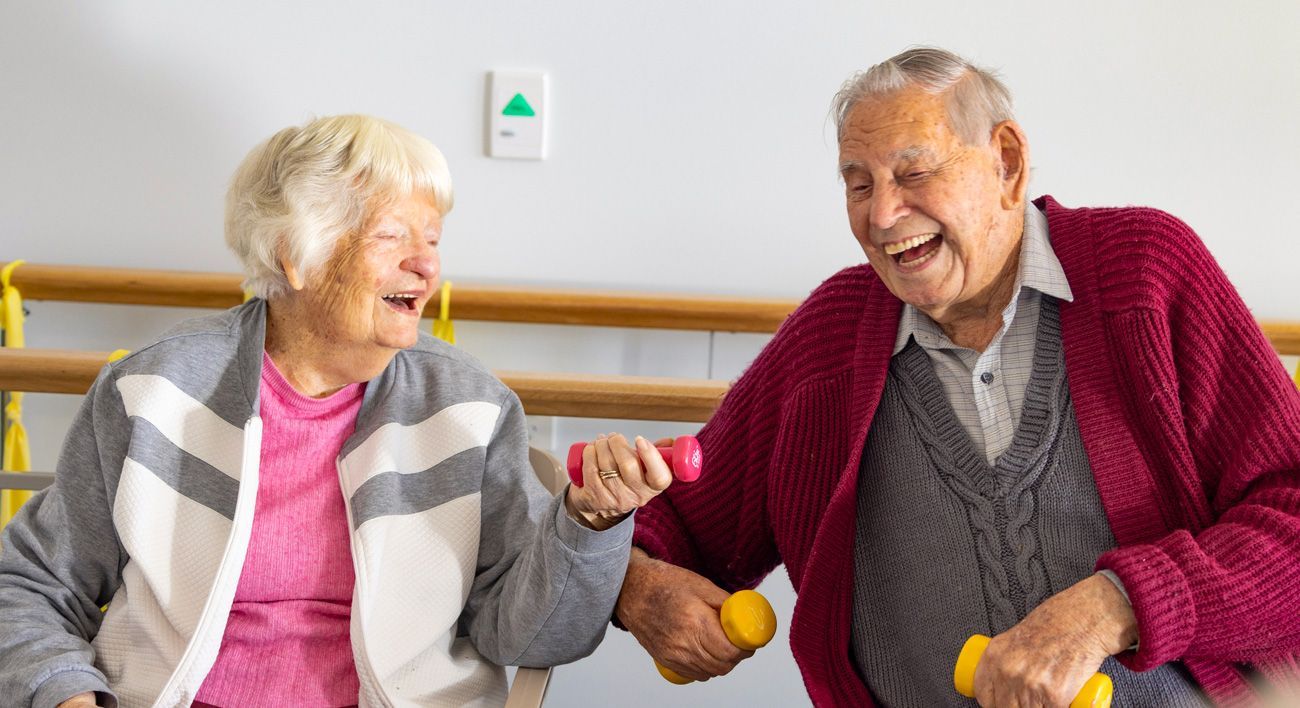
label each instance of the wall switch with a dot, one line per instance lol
(516, 106)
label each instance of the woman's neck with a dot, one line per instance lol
(313, 362)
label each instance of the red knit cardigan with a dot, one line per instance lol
(1189, 420)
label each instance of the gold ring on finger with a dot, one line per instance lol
(609, 474)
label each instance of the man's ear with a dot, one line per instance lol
(1013, 166)
(290, 271)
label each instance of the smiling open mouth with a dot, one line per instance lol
(916, 250)
(400, 302)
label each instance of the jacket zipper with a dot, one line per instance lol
(232, 561)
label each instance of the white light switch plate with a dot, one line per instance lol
(517, 114)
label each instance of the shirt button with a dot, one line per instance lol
(987, 377)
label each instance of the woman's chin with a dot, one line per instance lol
(404, 339)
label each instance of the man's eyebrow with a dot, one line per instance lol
(907, 154)
(910, 153)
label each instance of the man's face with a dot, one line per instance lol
(930, 212)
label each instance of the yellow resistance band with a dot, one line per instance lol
(442, 327)
(18, 454)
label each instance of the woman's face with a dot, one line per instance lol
(374, 286)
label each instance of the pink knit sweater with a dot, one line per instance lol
(1190, 423)
(287, 641)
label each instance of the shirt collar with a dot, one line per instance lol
(1039, 269)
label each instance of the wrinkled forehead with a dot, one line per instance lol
(904, 125)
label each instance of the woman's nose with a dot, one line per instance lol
(423, 261)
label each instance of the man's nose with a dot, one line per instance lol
(888, 205)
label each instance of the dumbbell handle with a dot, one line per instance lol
(1096, 692)
(683, 458)
(747, 619)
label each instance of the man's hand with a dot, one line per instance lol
(673, 613)
(81, 700)
(1046, 658)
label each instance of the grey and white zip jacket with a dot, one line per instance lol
(463, 561)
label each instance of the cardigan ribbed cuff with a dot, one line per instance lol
(1162, 603)
(662, 538)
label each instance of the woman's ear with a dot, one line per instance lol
(290, 272)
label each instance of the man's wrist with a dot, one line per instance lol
(1117, 624)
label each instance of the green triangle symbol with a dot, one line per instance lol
(518, 106)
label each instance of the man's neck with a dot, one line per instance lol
(974, 324)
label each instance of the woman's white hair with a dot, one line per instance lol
(974, 97)
(306, 187)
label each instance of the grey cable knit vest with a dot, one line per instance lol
(948, 546)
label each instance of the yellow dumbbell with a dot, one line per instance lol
(749, 622)
(1096, 693)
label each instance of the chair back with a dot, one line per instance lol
(529, 687)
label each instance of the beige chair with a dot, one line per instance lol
(529, 687)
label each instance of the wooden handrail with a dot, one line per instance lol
(469, 302)
(572, 395)
(1285, 336)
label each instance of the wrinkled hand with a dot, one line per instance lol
(81, 700)
(673, 613)
(1046, 658)
(643, 474)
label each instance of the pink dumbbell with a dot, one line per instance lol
(684, 458)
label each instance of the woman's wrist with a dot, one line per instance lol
(591, 520)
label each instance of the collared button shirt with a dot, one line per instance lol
(987, 390)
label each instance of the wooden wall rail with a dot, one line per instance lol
(1285, 336)
(571, 395)
(469, 302)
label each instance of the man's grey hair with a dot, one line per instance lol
(304, 188)
(976, 100)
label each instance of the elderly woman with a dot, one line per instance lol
(303, 501)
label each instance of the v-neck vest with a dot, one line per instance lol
(947, 545)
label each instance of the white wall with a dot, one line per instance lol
(689, 153)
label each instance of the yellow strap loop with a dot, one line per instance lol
(8, 271)
(11, 308)
(442, 327)
(18, 456)
(118, 354)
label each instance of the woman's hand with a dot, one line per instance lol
(81, 700)
(616, 479)
(1046, 658)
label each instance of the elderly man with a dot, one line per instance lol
(1056, 426)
